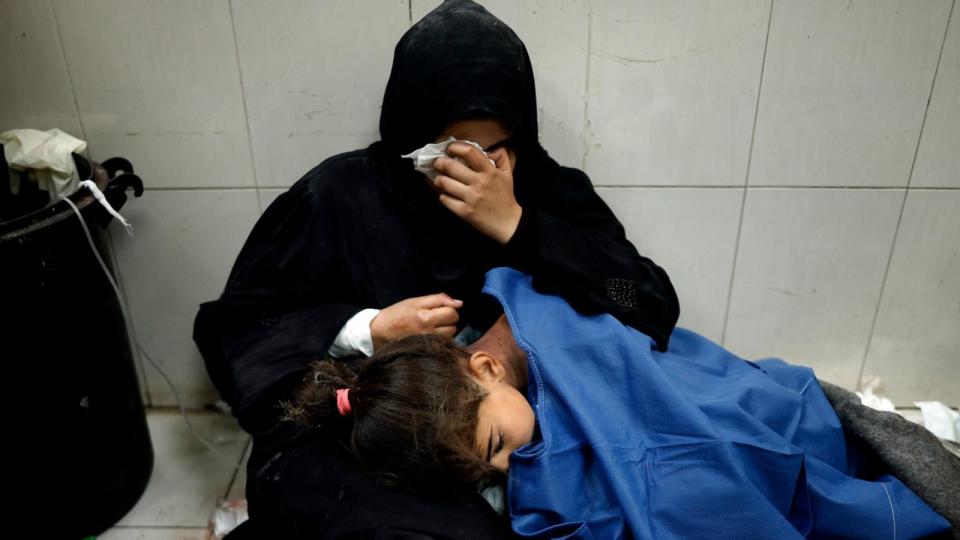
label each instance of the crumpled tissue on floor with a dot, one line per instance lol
(228, 516)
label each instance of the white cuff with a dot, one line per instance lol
(354, 337)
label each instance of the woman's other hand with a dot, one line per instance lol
(479, 192)
(431, 314)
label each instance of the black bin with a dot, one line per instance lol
(75, 424)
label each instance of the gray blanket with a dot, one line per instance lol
(914, 455)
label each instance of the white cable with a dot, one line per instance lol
(92, 246)
(116, 290)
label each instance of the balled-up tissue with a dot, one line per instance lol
(941, 420)
(423, 157)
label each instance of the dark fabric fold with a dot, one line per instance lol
(913, 454)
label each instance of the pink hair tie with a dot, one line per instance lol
(343, 401)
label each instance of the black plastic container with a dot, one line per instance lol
(75, 425)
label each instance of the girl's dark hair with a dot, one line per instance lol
(414, 412)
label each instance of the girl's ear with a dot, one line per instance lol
(486, 367)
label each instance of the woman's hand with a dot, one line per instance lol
(431, 314)
(479, 192)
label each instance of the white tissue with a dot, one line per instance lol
(423, 157)
(870, 396)
(941, 420)
(227, 517)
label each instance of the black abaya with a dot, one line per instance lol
(363, 230)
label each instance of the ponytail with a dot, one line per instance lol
(409, 412)
(324, 397)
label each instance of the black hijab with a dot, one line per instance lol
(458, 62)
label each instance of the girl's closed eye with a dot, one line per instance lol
(505, 419)
(494, 449)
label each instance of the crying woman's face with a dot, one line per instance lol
(489, 133)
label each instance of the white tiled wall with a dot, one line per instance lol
(673, 90)
(313, 81)
(808, 276)
(938, 160)
(185, 243)
(158, 83)
(793, 165)
(844, 91)
(692, 233)
(916, 343)
(36, 91)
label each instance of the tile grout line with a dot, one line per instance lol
(160, 527)
(211, 188)
(584, 140)
(236, 469)
(243, 100)
(903, 204)
(746, 181)
(126, 314)
(66, 65)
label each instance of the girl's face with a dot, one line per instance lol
(505, 419)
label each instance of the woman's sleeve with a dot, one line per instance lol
(572, 244)
(283, 305)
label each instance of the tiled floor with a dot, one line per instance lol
(189, 479)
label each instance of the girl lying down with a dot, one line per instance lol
(602, 436)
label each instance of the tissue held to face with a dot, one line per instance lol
(489, 133)
(477, 185)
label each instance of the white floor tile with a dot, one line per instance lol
(188, 478)
(162, 533)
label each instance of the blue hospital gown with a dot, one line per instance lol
(692, 443)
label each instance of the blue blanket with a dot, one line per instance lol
(692, 443)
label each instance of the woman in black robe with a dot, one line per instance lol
(365, 230)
